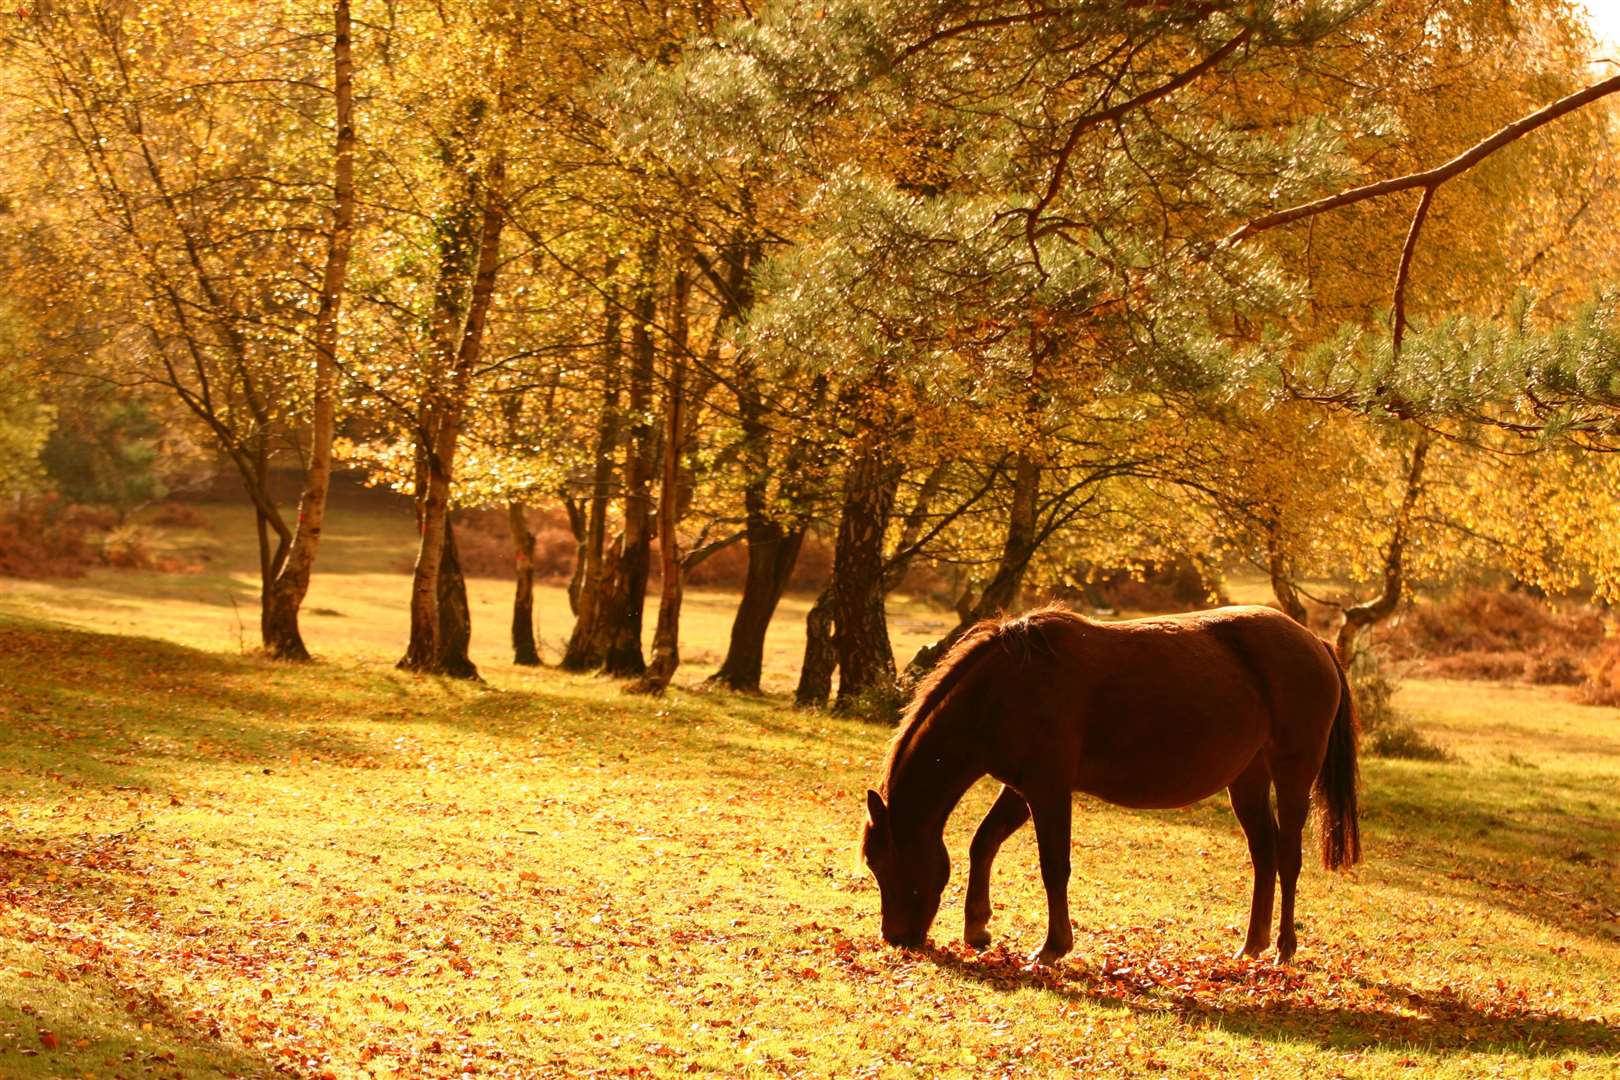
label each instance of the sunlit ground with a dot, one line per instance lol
(212, 865)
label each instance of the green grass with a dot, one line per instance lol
(211, 866)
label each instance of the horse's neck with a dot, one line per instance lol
(931, 777)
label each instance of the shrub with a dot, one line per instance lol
(1556, 669)
(814, 568)
(98, 519)
(50, 538)
(104, 449)
(1479, 664)
(1403, 740)
(485, 547)
(554, 550)
(1602, 672)
(46, 538)
(1373, 692)
(1498, 634)
(1385, 730)
(1172, 585)
(126, 548)
(176, 515)
(879, 704)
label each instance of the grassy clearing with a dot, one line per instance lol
(357, 604)
(215, 866)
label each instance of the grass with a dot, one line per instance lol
(357, 603)
(216, 866)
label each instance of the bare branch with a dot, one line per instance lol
(1405, 271)
(1439, 174)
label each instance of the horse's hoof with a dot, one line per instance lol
(1285, 952)
(1044, 958)
(976, 937)
(1249, 951)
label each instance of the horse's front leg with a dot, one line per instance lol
(1006, 817)
(1052, 810)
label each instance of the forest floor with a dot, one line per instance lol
(211, 865)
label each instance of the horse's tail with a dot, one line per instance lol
(1337, 820)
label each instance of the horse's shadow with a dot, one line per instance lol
(1403, 1016)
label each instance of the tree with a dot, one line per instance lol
(286, 595)
(192, 195)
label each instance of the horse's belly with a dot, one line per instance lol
(1152, 770)
(1163, 795)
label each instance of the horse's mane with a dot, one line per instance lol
(1025, 633)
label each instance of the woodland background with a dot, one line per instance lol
(746, 353)
(981, 298)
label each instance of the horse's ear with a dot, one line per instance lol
(876, 812)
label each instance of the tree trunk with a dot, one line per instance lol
(772, 553)
(666, 653)
(261, 529)
(1018, 547)
(865, 656)
(281, 637)
(576, 577)
(455, 616)
(524, 651)
(773, 547)
(587, 643)
(255, 471)
(272, 552)
(426, 652)
(666, 648)
(455, 246)
(1282, 579)
(1361, 617)
(820, 654)
(622, 616)
(422, 651)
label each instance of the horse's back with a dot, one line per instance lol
(1295, 669)
(1166, 710)
(1273, 650)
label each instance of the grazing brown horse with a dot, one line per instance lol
(1150, 713)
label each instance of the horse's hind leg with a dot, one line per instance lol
(1005, 818)
(1251, 801)
(1052, 808)
(1293, 806)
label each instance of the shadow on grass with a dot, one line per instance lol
(83, 707)
(1461, 833)
(107, 591)
(99, 1023)
(1274, 1006)
(754, 730)
(1456, 833)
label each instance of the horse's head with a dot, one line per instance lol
(910, 877)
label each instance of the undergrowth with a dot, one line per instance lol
(1385, 730)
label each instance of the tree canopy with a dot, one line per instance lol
(1024, 293)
